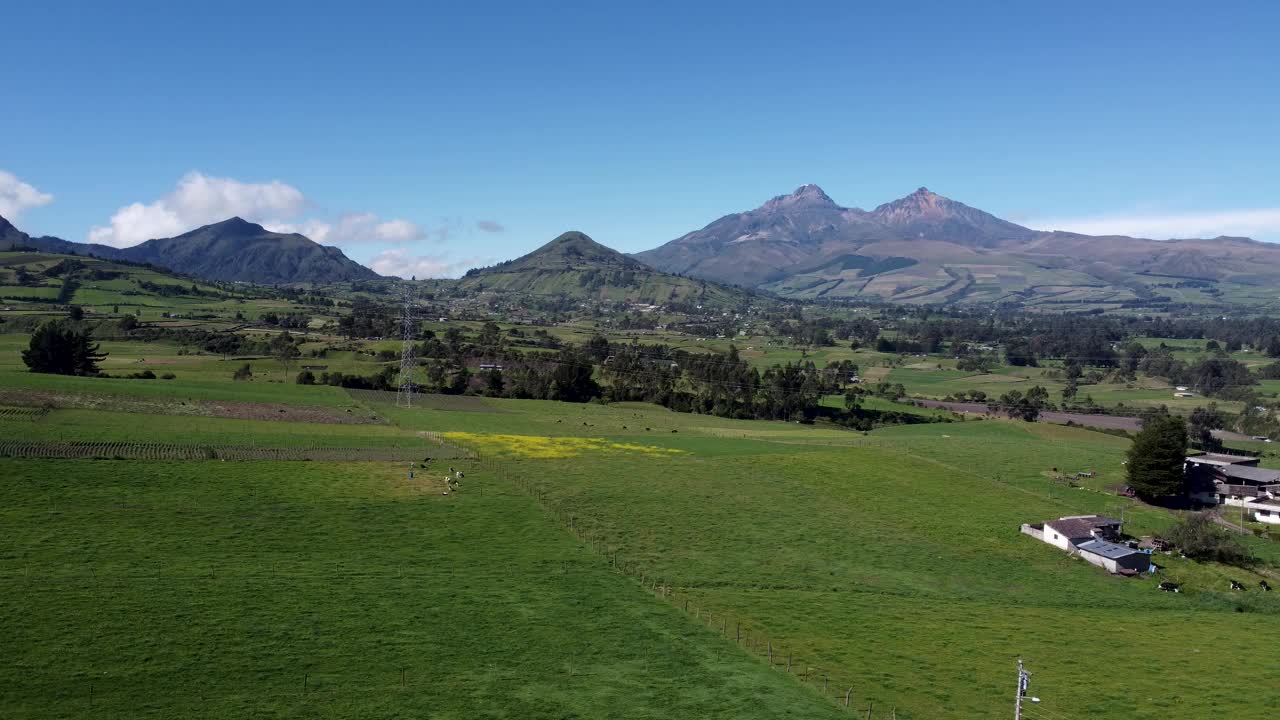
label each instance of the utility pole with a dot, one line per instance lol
(408, 359)
(1024, 679)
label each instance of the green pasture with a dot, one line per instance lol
(886, 564)
(178, 390)
(232, 590)
(895, 564)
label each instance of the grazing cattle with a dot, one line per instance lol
(1266, 587)
(1169, 587)
(1235, 585)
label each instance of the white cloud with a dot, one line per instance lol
(491, 226)
(1263, 223)
(17, 196)
(400, 263)
(353, 228)
(199, 200)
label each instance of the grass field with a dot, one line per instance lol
(887, 564)
(897, 566)
(311, 589)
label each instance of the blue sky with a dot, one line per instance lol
(428, 138)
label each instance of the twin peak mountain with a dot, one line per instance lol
(922, 248)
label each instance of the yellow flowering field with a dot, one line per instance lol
(550, 448)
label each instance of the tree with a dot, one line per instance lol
(852, 400)
(1017, 351)
(244, 372)
(75, 312)
(1023, 407)
(1204, 420)
(1157, 456)
(493, 382)
(490, 337)
(306, 377)
(1273, 346)
(58, 348)
(571, 379)
(285, 349)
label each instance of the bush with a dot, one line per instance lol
(168, 376)
(243, 373)
(306, 377)
(1199, 537)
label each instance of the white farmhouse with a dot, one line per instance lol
(1091, 538)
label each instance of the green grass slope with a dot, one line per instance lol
(231, 590)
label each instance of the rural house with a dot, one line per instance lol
(1091, 537)
(1237, 481)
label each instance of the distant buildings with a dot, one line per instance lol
(1237, 481)
(1092, 538)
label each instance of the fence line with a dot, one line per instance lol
(90, 450)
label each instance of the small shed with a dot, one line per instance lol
(1114, 557)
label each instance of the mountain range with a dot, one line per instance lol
(926, 248)
(923, 248)
(231, 250)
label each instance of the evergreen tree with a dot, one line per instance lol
(1157, 456)
(60, 349)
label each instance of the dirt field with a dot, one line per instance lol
(207, 408)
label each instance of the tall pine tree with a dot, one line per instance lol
(1157, 456)
(58, 348)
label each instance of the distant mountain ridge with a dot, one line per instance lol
(926, 248)
(231, 250)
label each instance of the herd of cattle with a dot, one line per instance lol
(1235, 585)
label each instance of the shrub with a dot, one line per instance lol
(306, 377)
(244, 372)
(168, 376)
(1199, 537)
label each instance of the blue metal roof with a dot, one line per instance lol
(1108, 549)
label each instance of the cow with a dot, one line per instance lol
(1169, 587)
(1235, 585)
(1266, 586)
